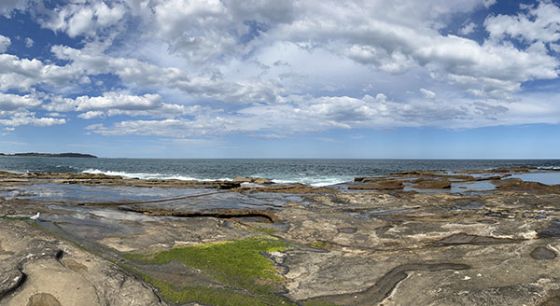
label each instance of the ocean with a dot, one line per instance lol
(316, 172)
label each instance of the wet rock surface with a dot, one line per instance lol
(279, 244)
(377, 185)
(43, 299)
(543, 253)
(432, 184)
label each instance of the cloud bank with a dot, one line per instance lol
(194, 68)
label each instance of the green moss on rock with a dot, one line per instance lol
(240, 265)
(205, 295)
(324, 245)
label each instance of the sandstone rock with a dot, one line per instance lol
(378, 185)
(43, 299)
(243, 179)
(515, 184)
(254, 180)
(432, 184)
(38, 273)
(260, 180)
(543, 253)
(390, 248)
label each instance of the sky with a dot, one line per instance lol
(474, 79)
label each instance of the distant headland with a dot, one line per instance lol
(34, 154)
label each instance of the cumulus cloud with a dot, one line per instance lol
(468, 28)
(29, 42)
(342, 112)
(23, 74)
(17, 110)
(428, 94)
(12, 119)
(83, 17)
(10, 102)
(7, 6)
(538, 23)
(392, 46)
(4, 43)
(142, 74)
(116, 103)
(263, 66)
(489, 3)
(111, 100)
(203, 30)
(301, 115)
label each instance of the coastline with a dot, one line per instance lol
(413, 237)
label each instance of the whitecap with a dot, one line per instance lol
(152, 176)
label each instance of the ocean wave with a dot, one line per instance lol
(312, 181)
(149, 176)
(549, 168)
(66, 167)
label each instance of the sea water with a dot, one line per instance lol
(316, 172)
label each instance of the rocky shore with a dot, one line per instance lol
(482, 237)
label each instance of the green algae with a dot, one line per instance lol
(323, 245)
(207, 295)
(318, 303)
(249, 278)
(17, 218)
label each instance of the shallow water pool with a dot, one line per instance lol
(548, 178)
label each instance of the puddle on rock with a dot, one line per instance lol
(457, 187)
(96, 194)
(548, 178)
(222, 200)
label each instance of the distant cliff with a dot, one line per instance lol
(33, 154)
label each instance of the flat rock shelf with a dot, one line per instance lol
(414, 238)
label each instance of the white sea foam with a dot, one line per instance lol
(313, 181)
(548, 168)
(149, 176)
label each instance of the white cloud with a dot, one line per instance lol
(428, 94)
(537, 23)
(29, 42)
(16, 110)
(111, 100)
(9, 102)
(5, 42)
(489, 3)
(468, 28)
(91, 115)
(23, 74)
(141, 74)
(83, 17)
(301, 115)
(281, 67)
(393, 46)
(203, 30)
(27, 118)
(115, 103)
(377, 34)
(7, 6)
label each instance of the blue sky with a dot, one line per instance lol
(265, 78)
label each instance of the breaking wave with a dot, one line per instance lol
(313, 181)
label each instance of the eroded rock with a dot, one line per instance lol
(543, 253)
(378, 185)
(352, 248)
(462, 238)
(432, 184)
(43, 299)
